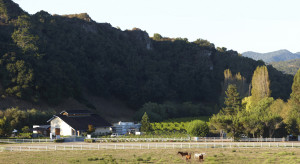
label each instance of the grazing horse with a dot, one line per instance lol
(187, 157)
(183, 153)
(196, 155)
(199, 156)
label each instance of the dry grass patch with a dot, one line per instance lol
(218, 155)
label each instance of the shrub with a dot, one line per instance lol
(198, 128)
(25, 135)
(89, 140)
(59, 140)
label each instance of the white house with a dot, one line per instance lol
(122, 128)
(75, 122)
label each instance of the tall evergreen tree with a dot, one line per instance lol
(232, 100)
(260, 84)
(295, 95)
(145, 123)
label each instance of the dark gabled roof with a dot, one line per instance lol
(76, 112)
(81, 123)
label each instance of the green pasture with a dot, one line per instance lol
(218, 155)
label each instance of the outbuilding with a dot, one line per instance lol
(75, 122)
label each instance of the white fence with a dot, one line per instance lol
(193, 139)
(117, 139)
(155, 146)
(25, 140)
(262, 139)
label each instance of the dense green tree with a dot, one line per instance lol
(146, 127)
(295, 95)
(232, 100)
(260, 84)
(198, 128)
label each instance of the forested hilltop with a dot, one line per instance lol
(52, 58)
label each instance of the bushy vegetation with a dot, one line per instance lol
(289, 67)
(197, 128)
(160, 112)
(259, 115)
(51, 57)
(59, 140)
(13, 118)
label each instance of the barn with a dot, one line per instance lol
(75, 122)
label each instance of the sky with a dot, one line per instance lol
(241, 25)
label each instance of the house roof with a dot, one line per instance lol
(81, 123)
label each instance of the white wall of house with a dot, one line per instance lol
(65, 129)
(102, 130)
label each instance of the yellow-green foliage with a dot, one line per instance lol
(260, 84)
(246, 103)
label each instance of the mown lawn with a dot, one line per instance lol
(244, 156)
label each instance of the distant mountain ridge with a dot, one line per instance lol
(275, 56)
(289, 67)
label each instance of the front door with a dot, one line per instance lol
(57, 131)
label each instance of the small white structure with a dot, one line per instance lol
(122, 128)
(74, 122)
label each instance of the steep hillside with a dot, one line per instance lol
(51, 59)
(289, 67)
(276, 56)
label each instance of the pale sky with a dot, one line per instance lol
(241, 25)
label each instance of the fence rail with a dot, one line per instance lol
(117, 139)
(25, 140)
(155, 146)
(193, 139)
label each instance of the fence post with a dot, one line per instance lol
(20, 148)
(55, 147)
(206, 145)
(269, 144)
(98, 147)
(181, 145)
(140, 146)
(261, 144)
(81, 147)
(156, 145)
(189, 145)
(165, 145)
(292, 144)
(115, 146)
(148, 146)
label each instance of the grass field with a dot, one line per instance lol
(218, 155)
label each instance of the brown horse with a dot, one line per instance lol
(187, 157)
(183, 153)
(201, 158)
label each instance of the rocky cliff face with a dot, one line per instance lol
(140, 37)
